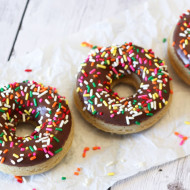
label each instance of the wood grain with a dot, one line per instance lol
(47, 19)
(10, 15)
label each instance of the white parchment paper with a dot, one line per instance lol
(145, 24)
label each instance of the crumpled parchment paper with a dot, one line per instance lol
(145, 24)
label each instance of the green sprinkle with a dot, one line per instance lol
(31, 94)
(17, 88)
(149, 114)
(149, 108)
(35, 102)
(94, 112)
(137, 122)
(137, 50)
(31, 148)
(63, 178)
(164, 40)
(93, 96)
(59, 105)
(35, 137)
(19, 107)
(50, 112)
(140, 107)
(56, 139)
(3, 111)
(1, 141)
(133, 58)
(91, 102)
(58, 129)
(94, 85)
(1, 134)
(88, 88)
(1, 89)
(123, 111)
(37, 114)
(150, 78)
(165, 91)
(134, 102)
(8, 86)
(16, 101)
(101, 100)
(94, 47)
(160, 73)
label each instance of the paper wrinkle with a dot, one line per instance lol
(145, 24)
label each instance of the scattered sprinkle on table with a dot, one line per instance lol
(28, 70)
(187, 122)
(19, 179)
(63, 178)
(111, 174)
(164, 40)
(182, 137)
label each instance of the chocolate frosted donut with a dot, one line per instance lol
(103, 108)
(179, 47)
(49, 142)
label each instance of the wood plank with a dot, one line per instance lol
(171, 176)
(10, 15)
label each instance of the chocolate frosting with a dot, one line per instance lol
(43, 106)
(104, 65)
(181, 39)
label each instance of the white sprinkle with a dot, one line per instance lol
(13, 162)
(61, 124)
(47, 101)
(20, 160)
(43, 93)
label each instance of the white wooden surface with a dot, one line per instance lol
(10, 15)
(61, 18)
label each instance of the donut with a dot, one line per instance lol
(31, 102)
(130, 64)
(179, 47)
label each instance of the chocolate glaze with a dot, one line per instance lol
(183, 24)
(151, 64)
(9, 127)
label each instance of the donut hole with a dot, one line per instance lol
(24, 129)
(127, 86)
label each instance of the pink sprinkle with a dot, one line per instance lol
(22, 93)
(31, 104)
(92, 71)
(20, 112)
(112, 115)
(132, 68)
(22, 149)
(11, 144)
(140, 60)
(50, 153)
(114, 70)
(34, 153)
(99, 90)
(40, 100)
(182, 142)
(148, 101)
(33, 111)
(48, 129)
(98, 73)
(45, 150)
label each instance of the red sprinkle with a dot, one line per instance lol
(28, 70)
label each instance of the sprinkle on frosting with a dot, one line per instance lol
(32, 102)
(181, 39)
(104, 65)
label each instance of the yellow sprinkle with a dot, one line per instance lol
(30, 110)
(26, 97)
(147, 71)
(108, 62)
(145, 50)
(26, 148)
(166, 102)
(66, 101)
(126, 66)
(78, 89)
(16, 144)
(15, 155)
(5, 138)
(148, 56)
(160, 105)
(92, 108)
(49, 125)
(8, 116)
(160, 86)
(187, 122)
(153, 96)
(134, 109)
(155, 79)
(111, 173)
(105, 103)
(7, 101)
(185, 24)
(103, 54)
(186, 42)
(26, 112)
(51, 135)
(10, 138)
(86, 95)
(83, 71)
(83, 64)
(155, 60)
(28, 118)
(125, 59)
(101, 66)
(4, 108)
(156, 65)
